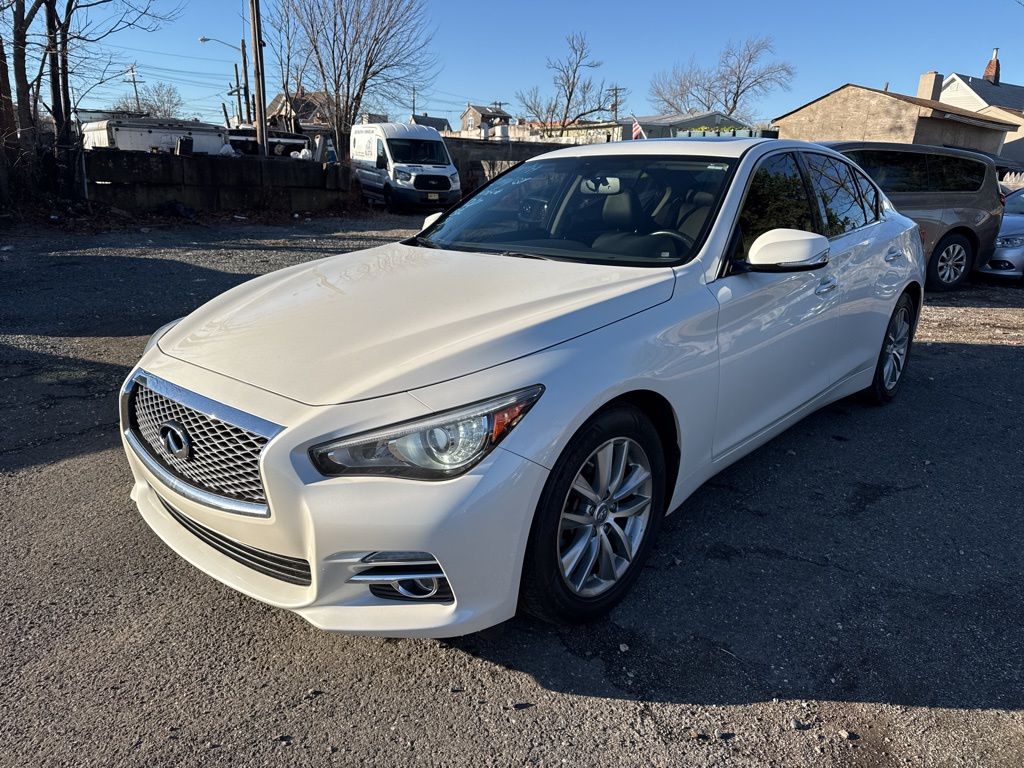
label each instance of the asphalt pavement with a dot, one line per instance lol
(848, 595)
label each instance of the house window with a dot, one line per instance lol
(471, 122)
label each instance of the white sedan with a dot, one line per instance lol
(420, 438)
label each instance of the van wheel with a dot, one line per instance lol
(596, 520)
(950, 263)
(389, 201)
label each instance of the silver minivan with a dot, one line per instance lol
(952, 194)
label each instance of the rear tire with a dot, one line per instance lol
(596, 520)
(951, 262)
(895, 353)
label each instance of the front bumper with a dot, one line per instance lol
(420, 198)
(476, 526)
(1005, 262)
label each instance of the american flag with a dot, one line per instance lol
(638, 132)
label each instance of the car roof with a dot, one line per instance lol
(696, 147)
(400, 130)
(922, 149)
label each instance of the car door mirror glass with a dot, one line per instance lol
(787, 250)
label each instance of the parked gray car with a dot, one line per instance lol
(1008, 259)
(952, 194)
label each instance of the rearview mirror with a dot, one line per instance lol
(430, 220)
(787, 250)
(601, 185)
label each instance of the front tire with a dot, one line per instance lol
(950, 263)
(892, 360)
(596, 520)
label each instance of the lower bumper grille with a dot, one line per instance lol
(294, 570)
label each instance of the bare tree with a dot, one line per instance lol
(743, 74)
(287, 44)
(362, 49)
(575, 95)
(157, 100)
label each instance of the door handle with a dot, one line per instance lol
(893, 254)
(827, 286)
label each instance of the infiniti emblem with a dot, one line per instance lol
(176, 440)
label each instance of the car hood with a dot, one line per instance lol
(1013, 224)
(398, 317)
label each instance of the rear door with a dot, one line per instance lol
(776, 331)
(869, 264)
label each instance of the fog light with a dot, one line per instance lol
(418, 589)
(399, 557)
(1000, 264)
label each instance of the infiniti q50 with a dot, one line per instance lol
(496, 414)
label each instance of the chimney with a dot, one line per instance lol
(992, 70)
(930, 86)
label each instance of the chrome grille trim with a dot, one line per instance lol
(226, 474)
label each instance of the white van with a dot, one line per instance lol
(404, 165)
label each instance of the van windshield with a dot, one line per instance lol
(419, 151)
(635, 209)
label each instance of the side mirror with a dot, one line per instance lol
(430, 220)
(787, 250)
(382, 161)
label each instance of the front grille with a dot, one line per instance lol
(432, 181)
(224, 459)
(294, 570)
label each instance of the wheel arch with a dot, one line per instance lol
(665, 420)
(966, 232)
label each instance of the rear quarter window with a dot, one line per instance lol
(956, 174)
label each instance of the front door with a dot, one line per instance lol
(776, 332)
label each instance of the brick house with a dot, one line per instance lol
(475, 115)
(857, 113)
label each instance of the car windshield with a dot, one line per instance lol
(635, 209)
(1015, 202)
(418, 151)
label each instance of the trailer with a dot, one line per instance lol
(154, 135)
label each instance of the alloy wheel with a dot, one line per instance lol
(952, 263)
(897, 344)
(605, 517)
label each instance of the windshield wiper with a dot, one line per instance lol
(423, 242)
(521, 255)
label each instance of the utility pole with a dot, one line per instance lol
(414, 99)
(135, 85)
(238, 94)
(499, 104)
(257, 66)
(245, 85)
(616, 91)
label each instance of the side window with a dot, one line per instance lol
(956, 174)
(868, 196)
(894, 171)
(837, 194)
(777, 199)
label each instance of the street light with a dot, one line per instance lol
(245, 73)
(205, 39)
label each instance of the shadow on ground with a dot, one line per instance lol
(868, 554)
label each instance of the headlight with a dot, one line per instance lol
(403, 176)
(433, 448)
(454, 179)
(160, 332)
(1014, 241)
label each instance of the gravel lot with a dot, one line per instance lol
(847, 595)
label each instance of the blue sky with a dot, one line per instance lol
(489, 50)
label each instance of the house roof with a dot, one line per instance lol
(699, 118)
(437, 123)
(487, 111)
(944, 110)
(1002, 95)
(304, 104)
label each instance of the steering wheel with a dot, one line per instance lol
(688, 242)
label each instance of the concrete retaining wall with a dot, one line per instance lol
(139, 181)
